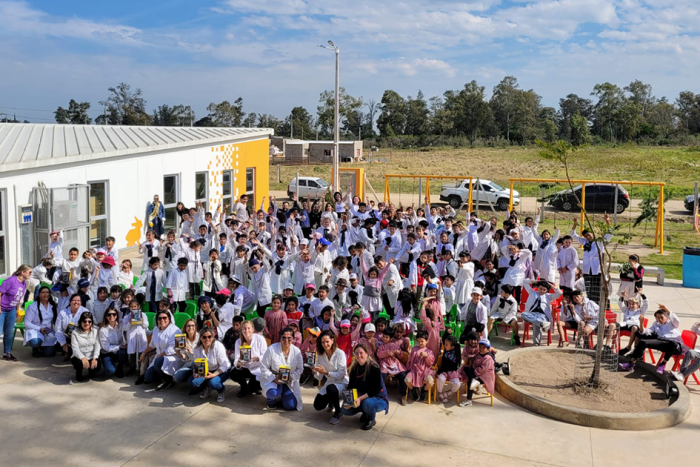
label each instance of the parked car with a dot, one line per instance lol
(599, 198)
(456, 194)
(308, 186)
(689, 203)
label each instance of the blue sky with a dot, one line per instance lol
(198, 51)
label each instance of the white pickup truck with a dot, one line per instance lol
(457, 194)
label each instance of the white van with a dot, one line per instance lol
(314, 187)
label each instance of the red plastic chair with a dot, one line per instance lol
(527, 325)
(689, 339)
(610, 317)
(627, 333)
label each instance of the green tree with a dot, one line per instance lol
(301, 120)
(416, 115)
(325, 112)
(472, 115)
(662, 117)
(76, 113)
(641, 94)
(688, 105)
(504, 104)
(250, 120)
(610, 100)
(124, 107)
(392, 116)
(177, 115)
(580, 134)
(548, 123)
(270, 121)
(227, 114)
(570, 106)
(441, 121)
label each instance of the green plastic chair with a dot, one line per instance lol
(180, 319)
(151, 319)
(136, 279)
(251, 315)
(191, 310)
(193, 303)
(145, 307)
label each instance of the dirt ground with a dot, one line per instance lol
(551, 375)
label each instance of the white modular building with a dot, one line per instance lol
(95, 181)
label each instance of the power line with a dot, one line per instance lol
(31, 110)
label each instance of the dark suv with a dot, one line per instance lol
(599, 198)
(690, 203)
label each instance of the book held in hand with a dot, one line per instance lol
(285, 374)
(70, 328)
(200, 367)
(310, 359)
(245, 353)
(136, 317)
(349, 397)
(180, 341)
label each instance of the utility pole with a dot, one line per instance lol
(336, 129)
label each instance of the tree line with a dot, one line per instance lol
(511, 115)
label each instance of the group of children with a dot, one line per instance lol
(394, 279)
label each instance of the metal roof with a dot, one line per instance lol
(34, 145)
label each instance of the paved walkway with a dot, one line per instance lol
(48, 420)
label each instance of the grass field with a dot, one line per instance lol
(679, 168)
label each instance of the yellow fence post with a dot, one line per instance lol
(471, 185)
(661, 220)
(583, 205)
(386, 189)
(427, 188)
(510, 202)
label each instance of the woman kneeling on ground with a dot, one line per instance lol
(86, 348)
(162, 346)
(282, 366)
(39, 323)
(366, 379)
(218, 364)
(186, 355)
(247, 372)
(331, 364)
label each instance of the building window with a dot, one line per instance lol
(227, 188)
(3, 243)
(171, 192)
(201, 187)
(99, 221)
(250, 187)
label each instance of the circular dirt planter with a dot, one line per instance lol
(675, 413)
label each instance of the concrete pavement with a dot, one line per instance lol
(48, 420)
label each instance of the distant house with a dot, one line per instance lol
(319, 152)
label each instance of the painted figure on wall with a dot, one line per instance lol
(134, 235)
(155, 215)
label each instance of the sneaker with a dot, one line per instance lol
(516, 340)
(404, 400)
(363, 418)
(139, 381)
(271, 406)
(545, 326)
(465, 403)
(414, 394)
(36, 353)
(623, 351)
(119, 373)
(204, 394)
(304, 379)
(423, 393)
(242, 393)
(444, 397)
(221, 397)
(164, 385)
(369, 425)
(336, 419)
(626, 366)
(661, 369)
(9, 357)
(329, 408)
(678, 375)
(474, 384)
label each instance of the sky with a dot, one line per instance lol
(194, 52)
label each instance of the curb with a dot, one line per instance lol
(676, 413)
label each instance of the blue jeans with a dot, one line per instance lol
(109, 358)
(46, 350)
(369, 407)
(7, 325)
(216, 383)
(283, 392)
(183, 374)
(154, 371)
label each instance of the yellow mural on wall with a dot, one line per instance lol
(134, 235)
(237, 157)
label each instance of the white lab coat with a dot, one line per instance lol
(337, 370)
(177, 283)
(36, 318)
(271, 362)
(136, 334)
(392, 291)
(591, 262)
(216, 356)
(146, 279)
(111, 339)
(64, 319)
(258, 347)
(164, 343)
(545, 262)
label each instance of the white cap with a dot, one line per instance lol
(369, 327)
(353, 276)
(304, 241)
(477, 290)
(289, 286)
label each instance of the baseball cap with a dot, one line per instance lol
(109, 260)
(353, 276)
(324, 242)
(369, 327)
(310, 286)
(485, 342)
(315, 331)
(345, 323)
(477, 290)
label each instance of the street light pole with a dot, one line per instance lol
(336, 129)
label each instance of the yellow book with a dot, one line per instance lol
(201, 367)
(285, 374)
(349, 397)
(245, 353)
(180, 341)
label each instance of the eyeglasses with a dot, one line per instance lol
(286, 338)
(207, 337)
(162, 318)
(190, 326)
(111, 314)
(87, 321)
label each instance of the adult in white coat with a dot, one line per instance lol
(545, 262)
(283, 355)
(67, 321)
(162, 345)
(86, 348)
(39, 321)
(331, 363)
(218, 365)
(247, 373)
